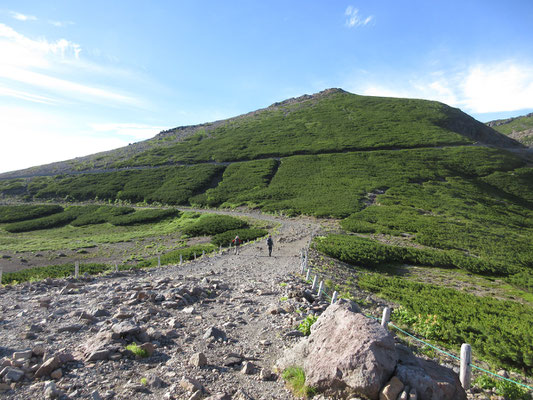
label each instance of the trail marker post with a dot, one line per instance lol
(320, 289)
(159, 260)
(220, 249)
(307, 275)
(77, 269)
(203, 253)
(1, 272)
(116, 267)
(181, 259)
(334, 297)
(466, 369)
(386, 317)
(195, 255)
(314, 283)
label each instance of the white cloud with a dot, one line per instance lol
(22, 17)
(44, 68)
(353, 19)
(129, 130)
(498, 87)
(60, 24)
(481, 88)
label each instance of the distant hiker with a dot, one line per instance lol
(270, 244)
(237, 241)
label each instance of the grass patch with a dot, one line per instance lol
(212, 224)
(27, 211)
(246, 234)
(305, 325)
(137, 350)
(295, 379)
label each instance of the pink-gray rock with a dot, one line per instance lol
(392, 389)
(48, 366)
(430, 380)
(198, 360)
(349, 352)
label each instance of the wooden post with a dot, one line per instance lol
(76, 269)
(314, 283)
(116, 267)
(159, 260)
(181, 259)
(320, 289)
(466, 369)
(334, 297)
(386, 317)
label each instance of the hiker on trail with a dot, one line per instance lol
(270, 244)
(237, 241)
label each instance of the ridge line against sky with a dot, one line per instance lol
(77, 78)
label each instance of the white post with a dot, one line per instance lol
(116, 267)
(220, 250)
(334, 297)
(314, 283)
(181, 259)
(203, 253)
(320, 289)
(386, 317)
(1, 272)
(158, 260)
(303, 267)
(466, 370)
(76, 269)
(195, 255)
(307, 275)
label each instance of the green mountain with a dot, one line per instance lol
(518, 128)
(411, 182)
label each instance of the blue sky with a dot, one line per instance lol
(78, 77)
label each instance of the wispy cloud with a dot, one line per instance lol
(50, 71)
(353, 19)
(22, 17)
(60, 24)
(479, 88)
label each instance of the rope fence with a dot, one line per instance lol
(466, 351)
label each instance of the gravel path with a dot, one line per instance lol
(175, 311)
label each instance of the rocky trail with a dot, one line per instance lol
(212, 326)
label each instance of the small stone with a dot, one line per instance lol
(98, 355)
(265, 374)
(242, 395)
(247, 368)
(149, 347)
(22, 355)
(56, 374)
(214, 333)
(47, 367)
(191, 385)
(50, 390)
(95, 395)
(12, 374)
(196, 395)
(70, 328)
(392, 389)
(198, 360)
(188, 310)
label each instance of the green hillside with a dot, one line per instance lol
(519, 128)
(411, 181)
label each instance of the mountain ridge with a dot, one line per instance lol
(439, 116)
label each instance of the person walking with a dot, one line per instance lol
(237, 241)
(270, 244)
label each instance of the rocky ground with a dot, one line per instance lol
(212, 328)
(215, 325)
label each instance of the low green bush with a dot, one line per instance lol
(173, 257)
(143, 216)
(305, 325)
(498, 330)
(52, 271)
(295, 378)
(101, 215)
(25, 212)
(48, 222)
(245, 234)
(210, 224)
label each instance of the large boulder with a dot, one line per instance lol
(346, 352)
(431, 380)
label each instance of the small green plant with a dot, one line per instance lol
(144, 381)
(295, 378)
(137, 350)
(283, 298)
(305, 325)
(283, 284)
(509, 390)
